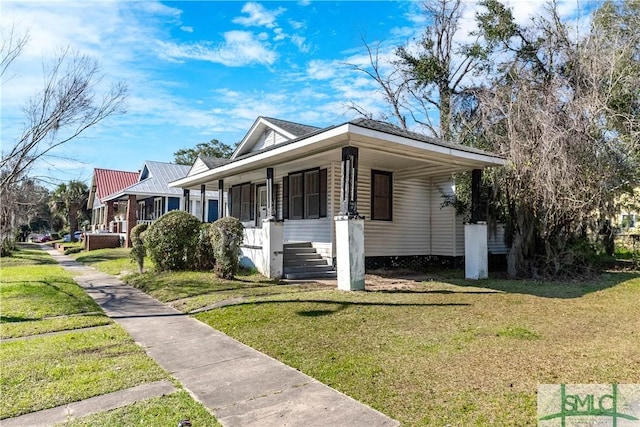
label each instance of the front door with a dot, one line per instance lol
(261, 206)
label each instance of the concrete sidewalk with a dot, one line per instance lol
(239, 385)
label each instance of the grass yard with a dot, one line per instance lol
(430, 350)
(38, 296)
(160, 411)
(50, 371)
(438, 353)
(110, 261)
(44, 371)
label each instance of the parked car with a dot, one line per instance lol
(43, 239)
(77, 235)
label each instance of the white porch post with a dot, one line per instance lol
(349, 227)
(273, 236)
(272, 247)
(476, 253)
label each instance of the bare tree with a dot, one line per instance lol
(66, 106)
(554, 115)
(428, 82)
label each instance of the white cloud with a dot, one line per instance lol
(258, 16)
(187, 29)
(321, 70)
(238, 49)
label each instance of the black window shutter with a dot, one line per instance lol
(323, 193)
(285, 197)
(252, 198)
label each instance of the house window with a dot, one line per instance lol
(305, 194)
(157, 207)
(381, 195)
(242, 201)
(141, 210)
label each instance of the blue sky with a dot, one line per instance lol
(199, 70)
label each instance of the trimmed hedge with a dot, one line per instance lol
(228, 234)
(171, 241)
(138, 249)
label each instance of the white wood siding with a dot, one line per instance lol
(408, 233)
(445, 227)
(267, 139)
(198, 167)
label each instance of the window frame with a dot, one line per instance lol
(374, 195)
(321, 194)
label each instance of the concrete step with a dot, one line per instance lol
(297, 262)
(299, 250)
(311, 275)
(308, 268)
(309, 256)
(298, 245)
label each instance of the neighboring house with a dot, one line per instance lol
(104, 183)
(361, 192)
(150, 197)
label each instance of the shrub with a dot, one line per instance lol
(205, 257)
(138, 250)
(171, 240)
(73, 251)
(228, 234)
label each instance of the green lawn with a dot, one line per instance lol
(110, 261)
(431, 350)
(45, 372)
(437, 353)
(38, 296)
(40, 372)
(161, 411)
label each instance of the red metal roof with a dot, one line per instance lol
(109, 181)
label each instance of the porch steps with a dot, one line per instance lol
(302, 261)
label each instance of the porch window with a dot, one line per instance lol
(305, 194)
(381, 195)
(242, 202)
(157, 207)
(141, 210)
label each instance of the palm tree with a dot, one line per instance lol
(69, 201)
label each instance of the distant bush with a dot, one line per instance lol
(228, 234)
(138, 249)
(171, 240)
(205, 258)
(70, 251)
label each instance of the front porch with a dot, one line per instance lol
(362, 189)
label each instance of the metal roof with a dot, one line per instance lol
(154, 181)
(108, 181)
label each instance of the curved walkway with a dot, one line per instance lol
(239, 385)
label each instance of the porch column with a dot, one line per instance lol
(202, 201)
(476, 253)
(270, 193)
(131, 218)
(220, 198)
(185, 193)
(349, 227)
(273, 247)
(110, 214)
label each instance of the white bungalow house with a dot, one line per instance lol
(149, 197)
(360, 193)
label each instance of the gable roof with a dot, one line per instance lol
(288, 130)
(108, 181)
(154, 180)
(376, 136)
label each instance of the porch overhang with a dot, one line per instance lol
(409, 156)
